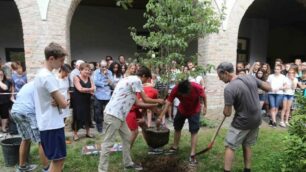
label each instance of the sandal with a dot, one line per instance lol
(171, 151)
(76, 138)
(90, 136)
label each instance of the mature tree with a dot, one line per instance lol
(172, 26)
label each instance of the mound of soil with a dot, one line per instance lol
(165, 164)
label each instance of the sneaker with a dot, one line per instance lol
(287, 123)
(156, 151)
(271, 123)
(282, 124)
(26, 168)
(171, 151)
(45, 170)
(134, 166)
(192, 160)
(274, 124)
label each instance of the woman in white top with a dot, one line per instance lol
(291, 84)
(64, 85)
(278, 84)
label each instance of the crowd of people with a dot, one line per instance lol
(114, 95)
(40, 107)
(285, 79)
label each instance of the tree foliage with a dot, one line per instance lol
(172, 26)
(294, 158)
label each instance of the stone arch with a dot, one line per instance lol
(71, 10)
(11, 30)
(216, 48)
(38, 32)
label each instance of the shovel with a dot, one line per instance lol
(210, 145)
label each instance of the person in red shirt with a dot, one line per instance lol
(191, 96)
(135, 117)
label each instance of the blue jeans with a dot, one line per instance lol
(275, 100)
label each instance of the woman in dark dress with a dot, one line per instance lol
(5, 100)
(84, 88)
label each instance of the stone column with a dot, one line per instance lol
(44, 21)
(220, 47)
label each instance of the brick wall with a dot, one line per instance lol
(217, 48)
(37, 33)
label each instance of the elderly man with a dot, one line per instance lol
(241, 92)
(75, 72)
(103, 80)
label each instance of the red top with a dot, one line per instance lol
(190, 103)
(150, 92)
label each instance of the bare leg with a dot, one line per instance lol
(194, 139)
(133, 137)
(87, 131)
(23, 151)
(284, 110)
(75, 135)
(273, 114)
(177, 136)
(170, 112)
(261, 104)
(4, 124)
(228, 158)
(247, 154)
(43, 157)
(149, 117)
(287, 115)
(56, 165)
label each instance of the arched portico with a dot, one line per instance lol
(219, 47)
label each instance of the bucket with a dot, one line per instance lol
(10, 149)
(157, 138)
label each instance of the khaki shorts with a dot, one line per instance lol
(236, 137)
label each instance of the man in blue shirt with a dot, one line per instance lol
(103, 80)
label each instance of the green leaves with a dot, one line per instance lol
(172, 26)
(294, 158)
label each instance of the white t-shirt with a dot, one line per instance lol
(197, 80)
(290, 83)
(24, 103)
(277, 83)
(63, 89)
(124, 96)
(48, 116)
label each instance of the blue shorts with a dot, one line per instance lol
(262, 97)
(288, 98)
(54, 144)
(193, 120)
(275, 100)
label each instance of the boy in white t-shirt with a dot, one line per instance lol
(115, 112)
(48, 104)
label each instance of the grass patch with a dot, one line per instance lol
(266, 153)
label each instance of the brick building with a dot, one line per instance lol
(92, 29)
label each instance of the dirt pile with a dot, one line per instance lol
(165, 164)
